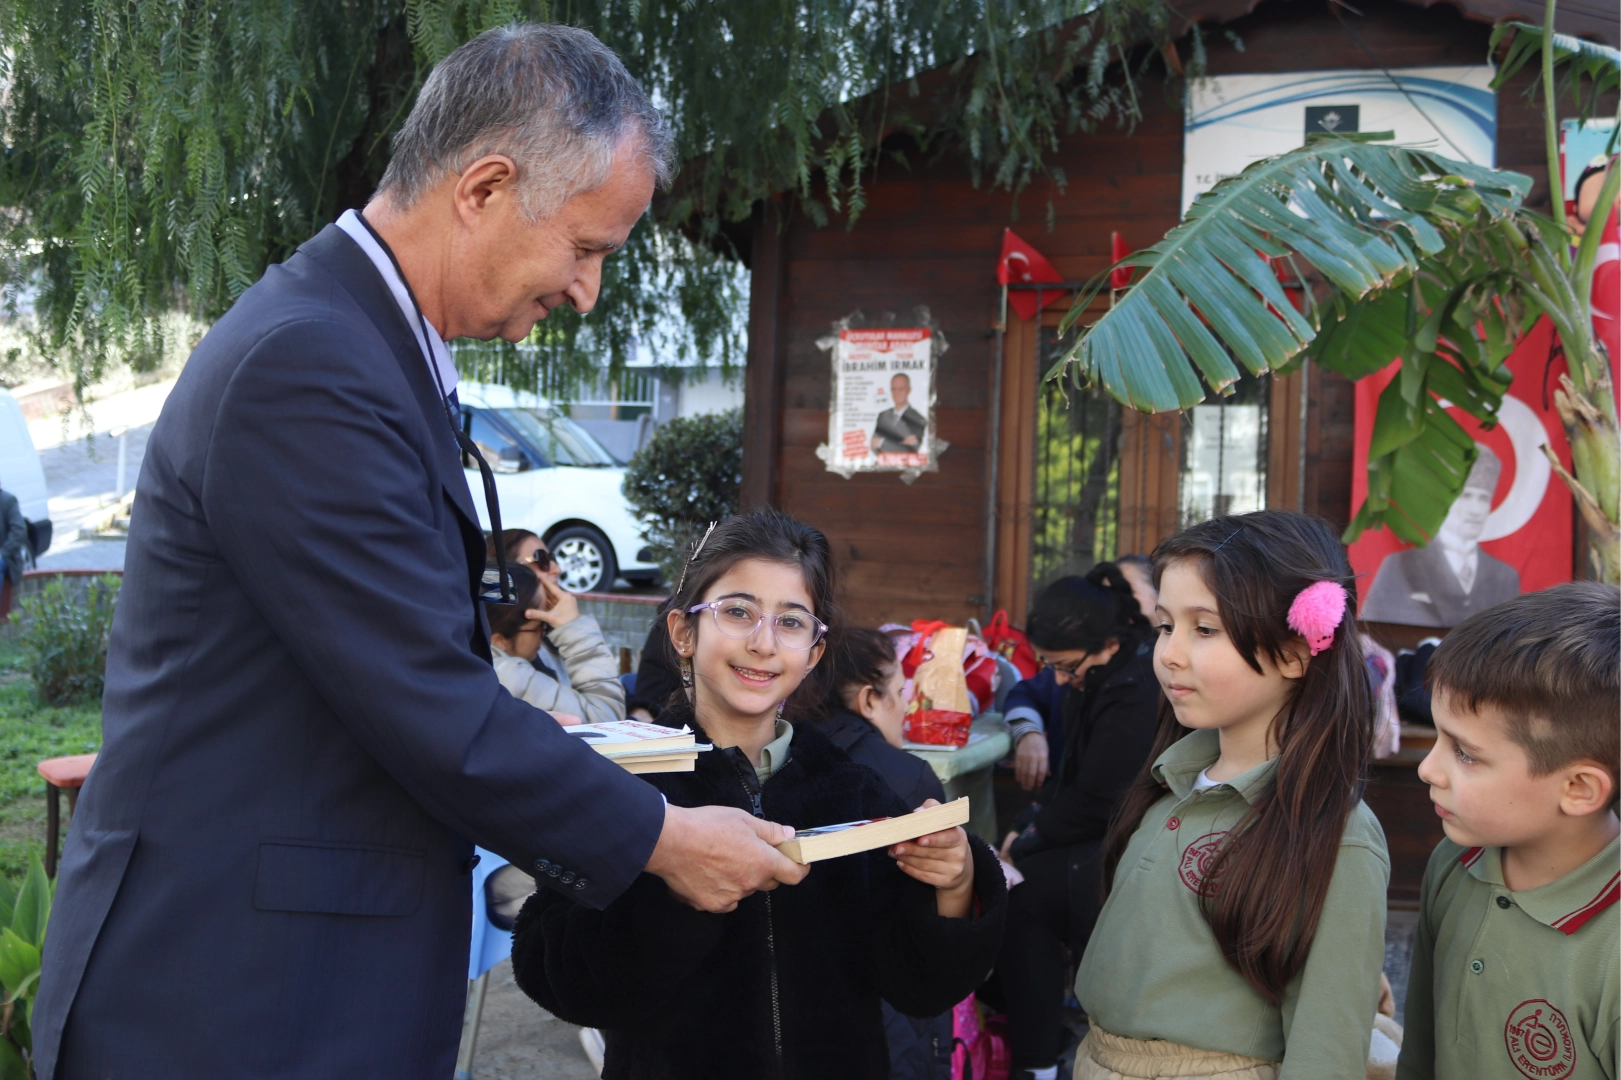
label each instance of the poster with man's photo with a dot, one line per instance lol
(1508, 532)
(881, 418)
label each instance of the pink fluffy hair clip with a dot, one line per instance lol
(1317, 612)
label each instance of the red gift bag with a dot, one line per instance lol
(1008, 640)
(939, 710)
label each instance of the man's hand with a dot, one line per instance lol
(941, 859)
(1030, 761)
(910, 440)
(713, 856)
(561, 606)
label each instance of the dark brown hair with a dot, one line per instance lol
(776, 537)
(1087, 612)
(1549, 660)
(508, 619)
(1277, 862)
(510, 539)
(857, 656)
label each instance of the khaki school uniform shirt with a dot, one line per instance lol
(1153, 969)
(1508, 985)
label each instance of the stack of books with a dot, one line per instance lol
(642, 748)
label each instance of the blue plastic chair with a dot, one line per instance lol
(490, 946)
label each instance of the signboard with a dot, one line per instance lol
(881, 418)
(1511, 529)
(1234, 120)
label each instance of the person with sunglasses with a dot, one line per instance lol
(581, 682)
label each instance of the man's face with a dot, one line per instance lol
(900, 388)
(1467, 519)
(515, 272)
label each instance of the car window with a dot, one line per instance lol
(560, 439)
(503, 452)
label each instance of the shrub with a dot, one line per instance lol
(64, 639)
(688, 475)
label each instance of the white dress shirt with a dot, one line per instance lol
(438, 356)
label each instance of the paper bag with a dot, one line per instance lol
(939, 711)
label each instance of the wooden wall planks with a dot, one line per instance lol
(929, 237)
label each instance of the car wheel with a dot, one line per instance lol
(585, 558)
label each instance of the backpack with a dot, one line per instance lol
(1009, 641)
(978, 1051)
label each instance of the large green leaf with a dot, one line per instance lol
(33, 907)
(1452, 326)
(1580, 61)
(1362, 212)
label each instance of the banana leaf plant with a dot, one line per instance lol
(1399, 254)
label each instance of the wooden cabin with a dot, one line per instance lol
(1034, 486)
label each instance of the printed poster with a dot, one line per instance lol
(1234, 120)
(1510, 531)
(881, 417)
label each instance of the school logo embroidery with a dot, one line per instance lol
(1539, 1041)
(1197, 858)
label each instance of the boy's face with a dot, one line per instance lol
(1481, 782)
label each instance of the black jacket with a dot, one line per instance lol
(1109, 730)
(907, 776)
(788, 984)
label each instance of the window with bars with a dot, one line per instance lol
(1224, 444)
(1075, 497)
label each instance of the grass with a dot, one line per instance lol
(30, 732)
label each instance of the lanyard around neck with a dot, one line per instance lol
(463, 440)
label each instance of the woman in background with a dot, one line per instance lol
(591, 689)
(1091, 634)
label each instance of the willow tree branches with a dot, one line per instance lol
(156, 155)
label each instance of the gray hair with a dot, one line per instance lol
(1484, 472)
(554, 99)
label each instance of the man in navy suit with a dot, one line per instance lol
(268, 872)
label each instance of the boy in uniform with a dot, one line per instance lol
(1515, 966)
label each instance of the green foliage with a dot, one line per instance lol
(1583, 64)
(689, 474)
(24, 913)
(65, 639)
(158, 155)
(1414, 251)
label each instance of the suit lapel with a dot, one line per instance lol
(360, 279)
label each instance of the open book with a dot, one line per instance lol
(832, 841)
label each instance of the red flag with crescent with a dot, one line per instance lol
(1022, 264)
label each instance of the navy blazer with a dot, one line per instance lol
(268, 871)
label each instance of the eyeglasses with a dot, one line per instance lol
(541, 560)
(1072, 668)
(794, 629)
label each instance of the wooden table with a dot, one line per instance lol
(967, 771)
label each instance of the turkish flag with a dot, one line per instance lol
(1022, 264)
(1530, 524)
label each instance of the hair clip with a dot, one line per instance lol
(1317, 612)
(1230, 535)
(701, 542)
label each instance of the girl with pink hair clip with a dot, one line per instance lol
(1243, 934)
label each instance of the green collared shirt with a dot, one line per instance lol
(1514, 985)
(1153, 969)
(775, 754)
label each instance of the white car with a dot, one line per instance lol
(557, 481)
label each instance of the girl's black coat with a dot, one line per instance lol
(788, 984)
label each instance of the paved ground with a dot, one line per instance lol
(519, 1040)
(80, 455)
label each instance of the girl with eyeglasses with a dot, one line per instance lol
(789, 982)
